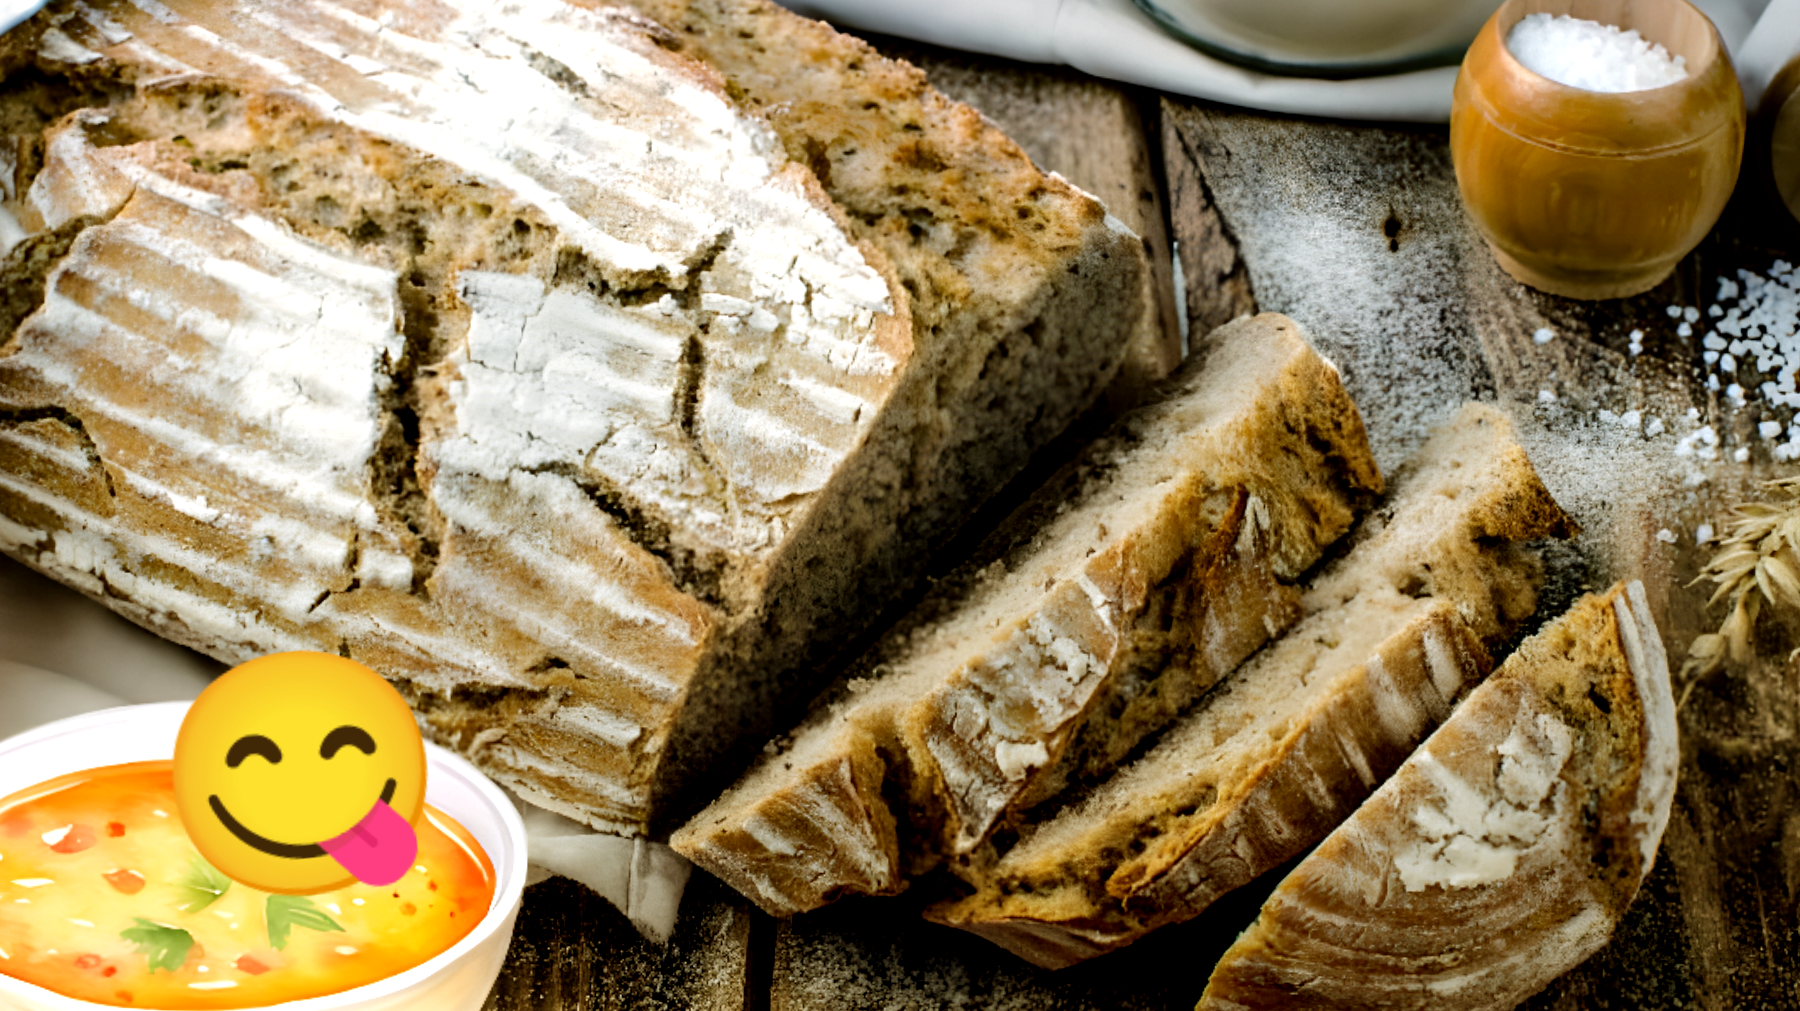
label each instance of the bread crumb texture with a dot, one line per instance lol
(505, 348)
(1125, 588)
(1502, 853)
(1390, 637)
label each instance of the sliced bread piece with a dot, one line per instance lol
(1501, 854)
(503, 349)
(1274, 758)
(1144, 571)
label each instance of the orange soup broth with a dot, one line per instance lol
(84, 857)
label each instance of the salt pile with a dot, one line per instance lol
(1756, 326)
(1592, 56)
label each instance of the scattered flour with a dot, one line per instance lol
(1592, 56)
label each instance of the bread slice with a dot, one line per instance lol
(1129, 584)
(1502, 853)
(498, 346)
(1269, 762)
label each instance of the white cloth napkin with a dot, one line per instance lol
(14, 11)
(1115, 40)
(62, 655)
(1775, 41)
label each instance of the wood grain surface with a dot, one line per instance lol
(1357, 231)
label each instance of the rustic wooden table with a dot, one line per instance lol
(1357, 232)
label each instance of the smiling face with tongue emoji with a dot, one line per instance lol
(300, 772)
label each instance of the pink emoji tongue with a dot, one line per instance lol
(379, 849)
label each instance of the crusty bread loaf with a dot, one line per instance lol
(1269, 762)
(500, 347)
(1135, 579)
(1501, 854)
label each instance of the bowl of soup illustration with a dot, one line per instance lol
(105, 902)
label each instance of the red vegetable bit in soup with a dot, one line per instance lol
(88, 961)
(115, 829)
(250, 965)
(128, 882)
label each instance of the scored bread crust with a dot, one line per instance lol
(966, 222)
(1146, 570)
(503, 348)
(1502, 854)
(1268, 763)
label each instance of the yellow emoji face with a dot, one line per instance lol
(300, 772)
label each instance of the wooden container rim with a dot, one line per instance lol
(1631, 124)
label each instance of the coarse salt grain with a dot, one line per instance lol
(1666, 535)
(1543, 335)
(1757, 319)
(1702, 442)
(1703, 533)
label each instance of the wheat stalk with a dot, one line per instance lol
(1757, 563)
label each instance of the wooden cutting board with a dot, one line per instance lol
(1358, 233)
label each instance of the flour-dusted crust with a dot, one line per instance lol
(1500, 855)
(1269, 762)
(1135, 580)
(505, 349)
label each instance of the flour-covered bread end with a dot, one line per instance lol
(1502, 854)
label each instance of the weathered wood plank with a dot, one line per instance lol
(572, 950)
(866, 953)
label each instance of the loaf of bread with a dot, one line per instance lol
(505, 349)
(1501, 854)
(1286, 748)
(1129, 584)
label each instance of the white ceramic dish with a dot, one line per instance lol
(1327, 38)
(457, 980)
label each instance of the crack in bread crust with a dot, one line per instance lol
(720, 365)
